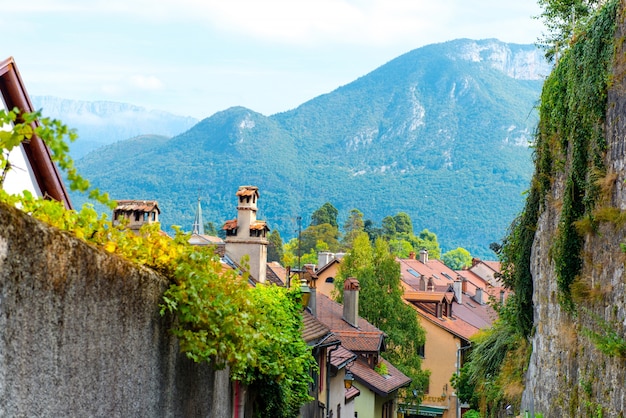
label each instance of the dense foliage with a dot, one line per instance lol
(431, 133)
(381, 303)
(219, 318)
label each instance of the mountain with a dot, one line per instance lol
(441, 133)
(102, 123)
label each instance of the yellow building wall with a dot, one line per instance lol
(365, 403)
(322, 286)
(440, 353)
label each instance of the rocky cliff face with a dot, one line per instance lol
(568, 374)
(516, 61)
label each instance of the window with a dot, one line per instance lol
(330, 280)
(421, 350)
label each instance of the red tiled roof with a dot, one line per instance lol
(351, 393)
(247, 191)
(360, 340)
(331, 314)
(142, 205)
(425, 296)
(313, 329)
(258, 225)
(230, 224)
(275, 273)
(340, 357)
(382, 385)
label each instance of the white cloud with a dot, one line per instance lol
(145, 82)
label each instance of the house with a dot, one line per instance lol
(452, 308)
(377, 391)
(136, 213)
(33, 167)
(326, 270)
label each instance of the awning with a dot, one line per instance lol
(423, 410)
(431, 411)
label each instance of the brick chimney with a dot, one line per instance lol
(351, 301)
(412, 255)
(424, 255)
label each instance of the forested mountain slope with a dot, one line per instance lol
(441, 133)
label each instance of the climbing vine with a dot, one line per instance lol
(571, 141)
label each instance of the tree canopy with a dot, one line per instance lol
(381, 303)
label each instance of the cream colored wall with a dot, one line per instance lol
(440, 353)
(365, 403)
(322, 286)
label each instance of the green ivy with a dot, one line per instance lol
(571, 140)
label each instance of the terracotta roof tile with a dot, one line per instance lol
(247, 191)
(142, 205)
(230, 224)
(383, 385)
(351, 393)
(340, 357)
(313, 329)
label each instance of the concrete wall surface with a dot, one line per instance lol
(81, 334)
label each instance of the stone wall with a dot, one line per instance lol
(81, 334)
(568, 376)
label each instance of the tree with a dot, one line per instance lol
(457, 259)
(389, 227)
(428, 240)
(561, 18)
(275, 247)
(403, 223)
(323, 232)
(210, 229)
(382, 305)
(370, 228)
(353, 226)
(327, 214)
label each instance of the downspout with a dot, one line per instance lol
(328, 379)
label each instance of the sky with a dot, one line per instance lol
(198, 57)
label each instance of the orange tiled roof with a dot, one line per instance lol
(142, 205)
(382, 385)
(313, 329)
(331, 314)
(230, 224)
(247, 191)
(257, 225)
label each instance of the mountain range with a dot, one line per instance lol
(442, 133)
(102, 123)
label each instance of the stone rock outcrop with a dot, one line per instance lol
(568, 376)
(81, 334)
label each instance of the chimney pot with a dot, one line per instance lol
(424, 255)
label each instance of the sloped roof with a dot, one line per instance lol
(275, 273)
(139, 205)
(340, 357)
(247, 191)
(256, 225)
(361, 341)
(313, 330)
(38, 154)
(382, 385)
(467, 318)
(331, 314)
